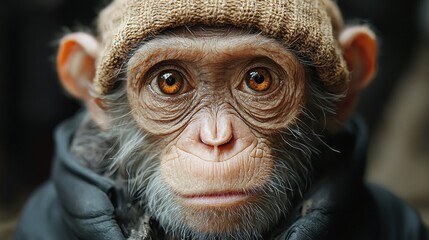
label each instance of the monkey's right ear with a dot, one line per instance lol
(76, 63)
(76, 70)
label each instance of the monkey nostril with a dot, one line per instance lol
(226, 140)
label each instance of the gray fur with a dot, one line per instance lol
(126, 150)
(134, 155)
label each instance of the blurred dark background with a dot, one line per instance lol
(32, 102)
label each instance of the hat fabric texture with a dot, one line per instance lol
(307, 27)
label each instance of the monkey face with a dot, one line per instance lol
(214, 129)
(218, 107)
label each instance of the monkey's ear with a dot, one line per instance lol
(360, 49)
(76, 70)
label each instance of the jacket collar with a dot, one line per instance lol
(336, 188)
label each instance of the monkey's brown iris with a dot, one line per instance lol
(170, 82)
(258, 79)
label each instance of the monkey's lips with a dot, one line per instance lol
(227, 199)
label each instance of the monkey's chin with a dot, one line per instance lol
(218, 213)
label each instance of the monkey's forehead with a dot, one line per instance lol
(308, 27)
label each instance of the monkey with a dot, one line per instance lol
(215, 128)
(213, 120)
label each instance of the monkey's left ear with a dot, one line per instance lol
(76, 69)
(360, 49)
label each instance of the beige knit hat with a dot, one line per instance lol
(309, 27)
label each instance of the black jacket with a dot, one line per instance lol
(79, 204)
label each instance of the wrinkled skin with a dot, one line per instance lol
(214, 129)
(217, 133)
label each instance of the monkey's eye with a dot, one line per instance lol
(170, 82)
(258, 79)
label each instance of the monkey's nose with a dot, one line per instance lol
(217, 133)
(216, 139)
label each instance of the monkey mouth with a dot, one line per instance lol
(224, 199)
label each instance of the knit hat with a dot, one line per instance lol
(309, 27)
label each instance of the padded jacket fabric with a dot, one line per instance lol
(76, 203)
